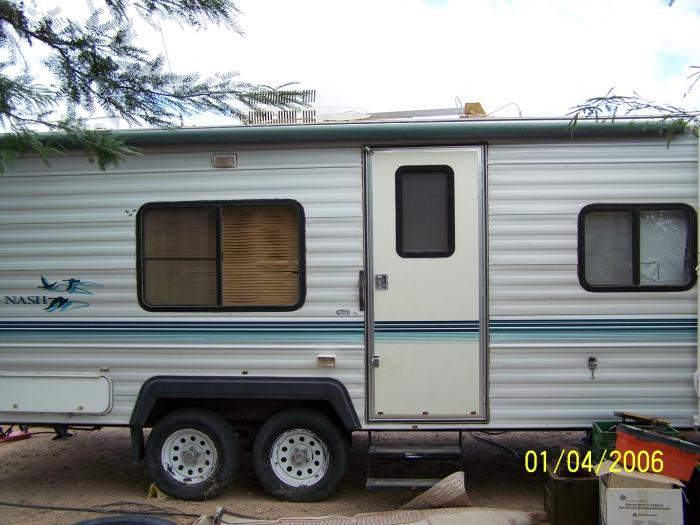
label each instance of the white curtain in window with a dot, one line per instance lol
(663, 238)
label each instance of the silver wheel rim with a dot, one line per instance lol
(299, 458)
(189, 456)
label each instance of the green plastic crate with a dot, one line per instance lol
(604, 435)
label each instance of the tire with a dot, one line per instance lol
(192, 454)
(300, 455)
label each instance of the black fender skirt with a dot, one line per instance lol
(215, 387)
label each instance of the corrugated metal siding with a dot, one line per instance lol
(73, 221)
(535, 193)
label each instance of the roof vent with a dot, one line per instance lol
(281, 116)
(271, 115)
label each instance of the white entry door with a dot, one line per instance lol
(426, 340)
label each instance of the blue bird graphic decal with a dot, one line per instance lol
(46, 285)
(78, 286)
(61, 304)
(69, 286)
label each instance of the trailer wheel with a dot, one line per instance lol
(300, 455)
(192, 454)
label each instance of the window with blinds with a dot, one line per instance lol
(231, 256)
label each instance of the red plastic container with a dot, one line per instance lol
(14, 436)
(679, 457)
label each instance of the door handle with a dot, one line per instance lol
(381, 281)
(361, 290)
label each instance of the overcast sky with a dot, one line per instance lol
(383, 55)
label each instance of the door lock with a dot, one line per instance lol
(381, 281)
(592, 365)
(374, 361)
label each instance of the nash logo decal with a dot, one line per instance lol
(26, 299)
(57, 304)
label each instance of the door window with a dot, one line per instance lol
(425, 219)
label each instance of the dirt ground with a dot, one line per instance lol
(92, 469)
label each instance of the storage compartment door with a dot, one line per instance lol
(33, 393)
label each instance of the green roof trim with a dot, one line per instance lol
(379, 133)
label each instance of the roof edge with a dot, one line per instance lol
(455, 131)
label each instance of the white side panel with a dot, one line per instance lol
(49, 393)
(544, 325)
(72, 221)
(450, 365)
(415, 282)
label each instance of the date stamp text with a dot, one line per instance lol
(574, 461)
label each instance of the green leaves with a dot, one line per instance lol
(101, 146)
(611, 106)
(195, 13)
(96, 67)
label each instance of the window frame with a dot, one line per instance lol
(691, 245)
(218, 205)
(450, 210)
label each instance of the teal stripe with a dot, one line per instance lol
(638, 330)
(352, 332)
(423, 337)
(204, 337)
(426, 331)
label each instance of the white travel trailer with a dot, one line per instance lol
(289, 285)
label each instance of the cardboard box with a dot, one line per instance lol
(636, 498)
